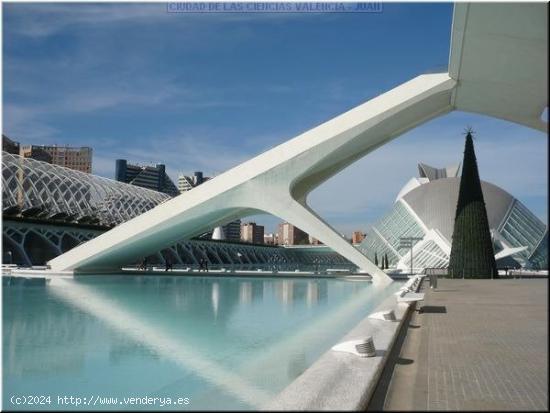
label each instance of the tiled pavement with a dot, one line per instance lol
(475, 345)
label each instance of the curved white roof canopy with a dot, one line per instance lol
(499, 56)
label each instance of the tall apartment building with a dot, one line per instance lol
(233, 230)
(288, 234)
(77, 158)
(150, 177)
(357, 237)
(251, 232)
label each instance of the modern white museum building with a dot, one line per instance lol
(425, 209)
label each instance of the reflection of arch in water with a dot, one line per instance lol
(185, 356)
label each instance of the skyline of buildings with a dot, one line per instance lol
(150, 177)
(78, 158)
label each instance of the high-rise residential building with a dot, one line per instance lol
(288, 234)
(150, 177)
(77, 158)
(251, 232)
(186, 182)
(233, 230)
(357, 237)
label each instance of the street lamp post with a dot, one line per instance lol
(408, 242)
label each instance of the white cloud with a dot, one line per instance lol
(38, 20)
(42, 20)
(181, 152)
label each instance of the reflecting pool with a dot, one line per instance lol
(170, 342)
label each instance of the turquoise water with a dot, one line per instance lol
(194, 342)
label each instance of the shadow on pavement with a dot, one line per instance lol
(404, 361)
(433, 309)
(378, 397)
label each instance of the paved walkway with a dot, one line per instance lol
(474, 345)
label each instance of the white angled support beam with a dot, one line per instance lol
(307, 220)
(277, 181)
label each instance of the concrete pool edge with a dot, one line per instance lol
(343, 381)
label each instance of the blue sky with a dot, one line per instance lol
(208, 91)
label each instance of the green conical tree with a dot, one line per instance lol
(375, 259)
(387, 265)
(472, 253)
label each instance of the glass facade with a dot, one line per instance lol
(522, 228)
(429, 256)
(517, 227)
(373, 245)
(539, 259)
(397, 224)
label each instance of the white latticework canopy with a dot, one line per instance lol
(41, 190)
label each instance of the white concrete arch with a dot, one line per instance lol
(279, 180)
(275, 182)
